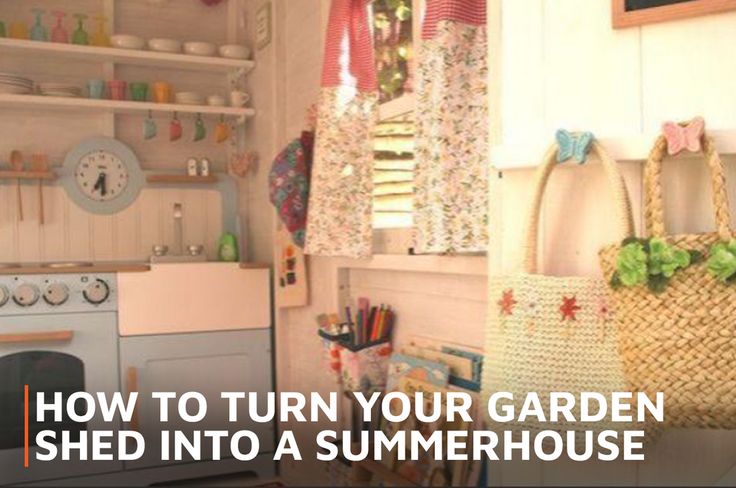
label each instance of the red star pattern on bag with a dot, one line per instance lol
(569, 308)
(507, 303)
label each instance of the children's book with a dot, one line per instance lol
(402, 365)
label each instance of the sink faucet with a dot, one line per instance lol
(178, 232)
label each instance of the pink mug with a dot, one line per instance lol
(116, 89)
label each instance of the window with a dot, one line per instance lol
(396, 25)
(393, 174)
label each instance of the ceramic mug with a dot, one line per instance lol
(162, 92)
(238, 98)
(96, 89)
(116, 89)
(139, 92)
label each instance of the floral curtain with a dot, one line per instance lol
(451, 195)
(340, 202)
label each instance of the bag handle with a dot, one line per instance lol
(653, 206)
(616, 181)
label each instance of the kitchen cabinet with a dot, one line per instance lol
(208, 363)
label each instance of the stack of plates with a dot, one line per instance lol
(59, 90)
(14, 84)
(189, 98)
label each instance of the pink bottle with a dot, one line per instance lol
(59, 34)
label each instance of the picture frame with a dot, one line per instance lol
(623, 15)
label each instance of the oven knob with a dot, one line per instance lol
(4, 295)
(56, 294)
(97, 292)
(26, 295)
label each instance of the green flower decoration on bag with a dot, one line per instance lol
(665, 259)
(632, 265)
(722, 261)
(652, 262)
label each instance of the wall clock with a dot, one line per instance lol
(102, 175)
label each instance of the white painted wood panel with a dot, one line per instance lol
(688, 70)
(644, 76)
(588, 69)
(70, 233)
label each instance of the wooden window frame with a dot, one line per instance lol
(623, 19)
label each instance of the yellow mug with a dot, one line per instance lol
(162, 92)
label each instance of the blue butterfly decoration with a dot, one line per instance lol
(573, 146)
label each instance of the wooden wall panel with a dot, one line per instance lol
(688, 70)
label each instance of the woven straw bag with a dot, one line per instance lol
(681, 342)
(554, 334)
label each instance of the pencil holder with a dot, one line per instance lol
(365, 367)
(331, 346)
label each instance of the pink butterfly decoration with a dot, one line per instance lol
(684, 137)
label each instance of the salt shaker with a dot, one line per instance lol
(204, 167)
(192, 167)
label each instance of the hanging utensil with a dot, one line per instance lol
(16, 163)
(40, 164)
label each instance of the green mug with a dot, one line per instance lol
(139, 91)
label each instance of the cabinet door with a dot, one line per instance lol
(210, 364)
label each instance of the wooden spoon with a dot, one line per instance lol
(40, 164)
(16, 163)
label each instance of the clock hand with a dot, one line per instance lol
(103, 191)
(101, 184)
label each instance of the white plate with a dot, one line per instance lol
(62, 95)
(164, 45)
(14, 90)
(7, 81)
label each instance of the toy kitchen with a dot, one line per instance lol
(123, 254)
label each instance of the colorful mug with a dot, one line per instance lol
(116, 88)
(96, 89)
(162, 92)
(139, 91)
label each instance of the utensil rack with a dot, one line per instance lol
(27, 175)
(175, 179)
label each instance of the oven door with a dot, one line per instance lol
(53, 353)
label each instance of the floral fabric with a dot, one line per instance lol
(451, 176)
(341, 205)
(341, 198)
(289, 185)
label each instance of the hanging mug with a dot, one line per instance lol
(175, 129)
(222, 131)
(149, 128)
(200, 131)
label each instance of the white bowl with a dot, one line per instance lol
(200, 48)
(234, 51)
(164, 45)
(216, 101)
(125, 41)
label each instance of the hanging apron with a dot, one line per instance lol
(341, 201)
(451, 176)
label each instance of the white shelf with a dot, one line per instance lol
(124, 56)
(456, 265)
(633, 148)
(31, 102)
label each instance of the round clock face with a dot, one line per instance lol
(101, 176)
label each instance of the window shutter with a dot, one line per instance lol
(393, 175)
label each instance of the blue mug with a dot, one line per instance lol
(96, 89)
